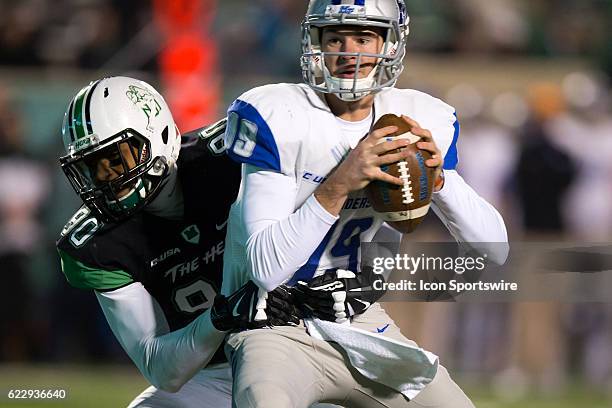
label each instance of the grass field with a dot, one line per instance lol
(111, 386)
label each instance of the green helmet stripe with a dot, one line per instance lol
(87, 104)
(77, 113)
(69, 122)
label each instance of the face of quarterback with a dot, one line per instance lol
(351, 40)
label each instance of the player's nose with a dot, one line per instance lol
(349, 46)
(104, 172)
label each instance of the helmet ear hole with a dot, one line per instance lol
(164, 135)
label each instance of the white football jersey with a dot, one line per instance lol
(289, 129)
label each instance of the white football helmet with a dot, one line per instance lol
(385, 14)
(127, 123)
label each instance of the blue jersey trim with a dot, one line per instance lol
(265, 155)
(451, 159)
(307, 271)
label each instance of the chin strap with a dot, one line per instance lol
(131, 199)
(347, 84)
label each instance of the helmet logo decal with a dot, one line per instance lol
(346, 9)
(145, 100)
(191, 234)
(356, 2)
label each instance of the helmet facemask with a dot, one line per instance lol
(118, 177)
(389, 59)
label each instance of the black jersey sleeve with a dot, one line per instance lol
(82, 276)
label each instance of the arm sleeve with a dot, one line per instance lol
(280, 240)
(166, 359)
(471, 219)
(264, 132)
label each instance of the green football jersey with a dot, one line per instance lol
(178, 262)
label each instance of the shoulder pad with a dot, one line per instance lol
(79, 216)
(212, 136)
(431, 113)
(264, 126)
(81, 227)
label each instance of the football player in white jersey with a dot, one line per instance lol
(307, 152)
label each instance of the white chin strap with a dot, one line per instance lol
(335, 84)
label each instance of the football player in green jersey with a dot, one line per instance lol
(149, 240)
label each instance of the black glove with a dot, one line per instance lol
(252, 308)
(336, 295)
(281, 308)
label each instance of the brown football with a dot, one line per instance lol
(403, 207)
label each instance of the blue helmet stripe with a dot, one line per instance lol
(360, 2)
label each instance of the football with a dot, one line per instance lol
(403, 207)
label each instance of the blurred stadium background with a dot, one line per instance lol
(531, 83)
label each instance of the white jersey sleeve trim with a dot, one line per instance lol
(470, 218)
(280, 240)
(166, 359)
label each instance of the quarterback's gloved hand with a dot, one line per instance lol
(336, 295)
(252, 308)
